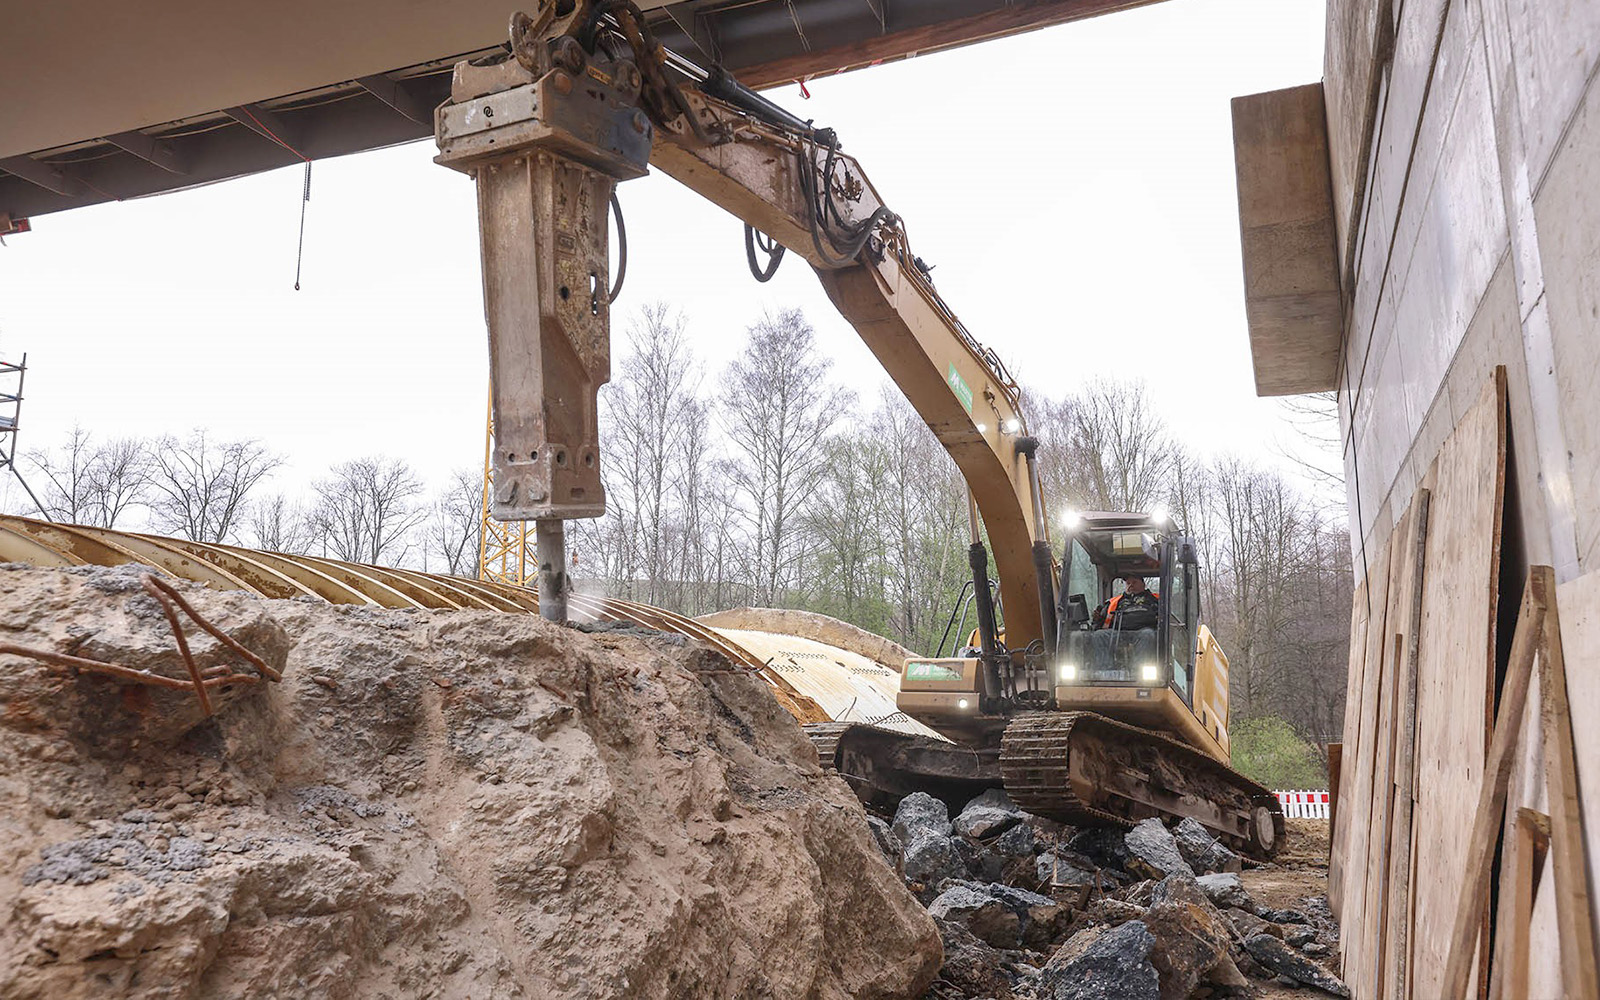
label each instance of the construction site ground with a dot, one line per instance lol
(483, 805)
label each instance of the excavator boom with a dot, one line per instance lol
(550, 129)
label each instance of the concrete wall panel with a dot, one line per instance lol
(1555, 47)
(1569, 244)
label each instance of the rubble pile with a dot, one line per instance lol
(1030, 909)
(443, 805)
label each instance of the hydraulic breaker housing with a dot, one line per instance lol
(546, 130)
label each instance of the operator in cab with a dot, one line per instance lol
(1135, 608)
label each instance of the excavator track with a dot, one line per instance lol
(825, 737)
(1085, 769)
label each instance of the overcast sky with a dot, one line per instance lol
(1074, 187)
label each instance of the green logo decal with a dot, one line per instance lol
(958, 385)
(916, 671)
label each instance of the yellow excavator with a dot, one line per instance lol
(1101, 725)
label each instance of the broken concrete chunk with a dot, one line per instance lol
(1192, 937)
(1153, 852)
(920, 813)
(990, 813)
(930, 859)
(1298, 935)
(1101, 845)
(1054, 870)
(1225, 889)
(1249, 925)
(887, 842)
(1275, 956)
(1202, 850)
(1017, 842)
(1282, 916)
(1108, 965)
(1004, 916)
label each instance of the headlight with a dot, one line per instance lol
(962, 703)
(1068, 672)
(1151, 673)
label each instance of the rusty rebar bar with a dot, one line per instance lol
(199, 680)
(217, 633)
(149, 584)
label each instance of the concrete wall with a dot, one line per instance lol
(1464, 156)
(1464, 162)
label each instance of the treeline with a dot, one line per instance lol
(768, 483)
(373, 510)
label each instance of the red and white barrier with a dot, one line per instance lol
(1300, 804)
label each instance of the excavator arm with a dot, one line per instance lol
(584, 98)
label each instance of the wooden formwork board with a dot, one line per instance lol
(1396, 936)
(1390, 650)
(1339, 846)
(1358, 854)
(1455, 671)
(1579, 601)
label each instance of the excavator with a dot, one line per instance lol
(1096, 726)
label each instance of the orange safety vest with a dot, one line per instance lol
(1111, 609)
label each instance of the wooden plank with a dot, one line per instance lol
(1455, 678)
(1579, 600)
(1368, 975)
(1397, 916)
(1338, 846)
(1524, 860)
(1335, 759)
(1571, 884)
(1359, 847)
(1476, 862)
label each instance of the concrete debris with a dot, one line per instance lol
(1077, 918)
(1018, 842)
(990, 813)
(920, 813)
(391, 836)
(1203, 851)
(1111, 965)
(1153, 851)
(1276, 956)
(1226, 889)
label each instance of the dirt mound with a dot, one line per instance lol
(430, 804)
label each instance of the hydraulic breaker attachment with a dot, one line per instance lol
(546, 130)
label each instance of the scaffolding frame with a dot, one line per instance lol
(502, 545)
(9, 424)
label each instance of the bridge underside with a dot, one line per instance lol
(101, 101)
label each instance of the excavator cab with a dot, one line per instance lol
(1159, 670)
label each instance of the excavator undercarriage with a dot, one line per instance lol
(1077, 768)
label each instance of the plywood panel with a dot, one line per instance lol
(1360, 851)
(1455, 669)
(1391, 652)
(1579, 604)
(1352, 741)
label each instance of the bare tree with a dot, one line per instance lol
(199, 487)
(365, 509)
(67, 494)
(94, 484)
(654, 410)
(454, 520)
(779, 407)
(119, 479)
(279, 525)
(1121, 445)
